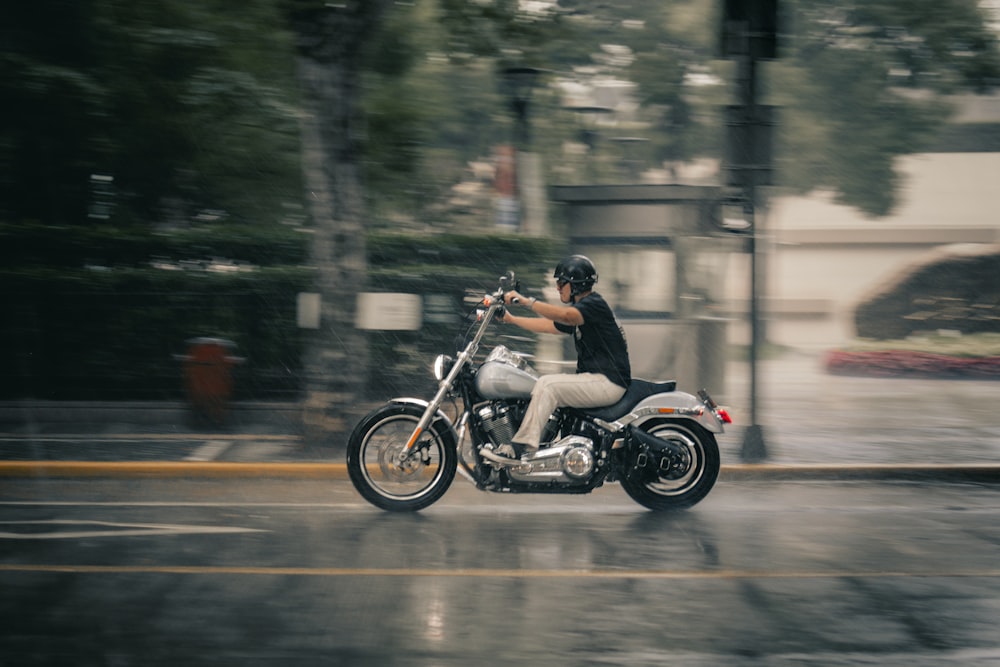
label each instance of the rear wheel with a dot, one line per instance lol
(682, 481)
(387, 479)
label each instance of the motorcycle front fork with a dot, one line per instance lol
(462, 428)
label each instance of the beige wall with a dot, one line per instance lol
(823, 258)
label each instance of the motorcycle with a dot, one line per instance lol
(657, 442)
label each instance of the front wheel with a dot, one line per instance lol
(383, 477)
(683, 483)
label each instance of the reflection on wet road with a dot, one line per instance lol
(300, 572)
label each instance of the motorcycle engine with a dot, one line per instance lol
(498, 421)
(568, 461)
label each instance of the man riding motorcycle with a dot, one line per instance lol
(603, 372)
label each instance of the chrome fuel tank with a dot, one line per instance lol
(505, 375)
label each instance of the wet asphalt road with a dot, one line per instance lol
(302, 572)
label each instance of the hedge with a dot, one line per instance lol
(70, 246)
(911, 364)
(115, 334)
(114, 330)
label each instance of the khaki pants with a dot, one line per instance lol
(583, 390)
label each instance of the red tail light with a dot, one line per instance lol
(723, 416)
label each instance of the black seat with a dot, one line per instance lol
(637, 390)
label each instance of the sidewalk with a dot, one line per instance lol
(37, 417)
(815, 425)
(811, 417)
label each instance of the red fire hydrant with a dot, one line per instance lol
(208, 377)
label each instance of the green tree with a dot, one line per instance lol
(858, 84)
(51, 108)
(338, 45)
(331, 41)
(187, 106)
(862, 83)
(184, 108)
(428, 120)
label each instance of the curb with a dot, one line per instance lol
(171, 469)
(987, 473)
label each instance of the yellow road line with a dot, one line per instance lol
(320, 470)
(150, 469)
(479, 572)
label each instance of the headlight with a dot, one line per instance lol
(441, 366)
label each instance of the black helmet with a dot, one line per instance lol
(578, 271)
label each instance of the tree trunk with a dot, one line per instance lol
(329, 69)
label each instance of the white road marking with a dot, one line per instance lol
(209, 451)
(116, 529)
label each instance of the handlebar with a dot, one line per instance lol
(492, 303)
(508, 282)
(495, 301)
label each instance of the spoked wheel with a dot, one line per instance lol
(679, 482)
(386, 477)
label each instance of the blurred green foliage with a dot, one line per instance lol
(187, 106)
(857, 85)
(61, 246)
(194, 106)
(111, 329)
(92, 334)
(139, 137)
(952, 344)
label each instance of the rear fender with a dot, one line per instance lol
(673, 405)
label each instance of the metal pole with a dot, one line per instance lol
(753, 448)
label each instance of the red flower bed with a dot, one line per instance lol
(902, 363)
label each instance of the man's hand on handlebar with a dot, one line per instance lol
(513, 297)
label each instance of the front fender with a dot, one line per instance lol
(439, 417)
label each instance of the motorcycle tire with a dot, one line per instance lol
(371, 459)
(658, 493)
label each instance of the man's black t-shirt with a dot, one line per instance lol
(600, 341)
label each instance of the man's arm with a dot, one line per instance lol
(548, 313)
(536, 324)
(562, 314)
